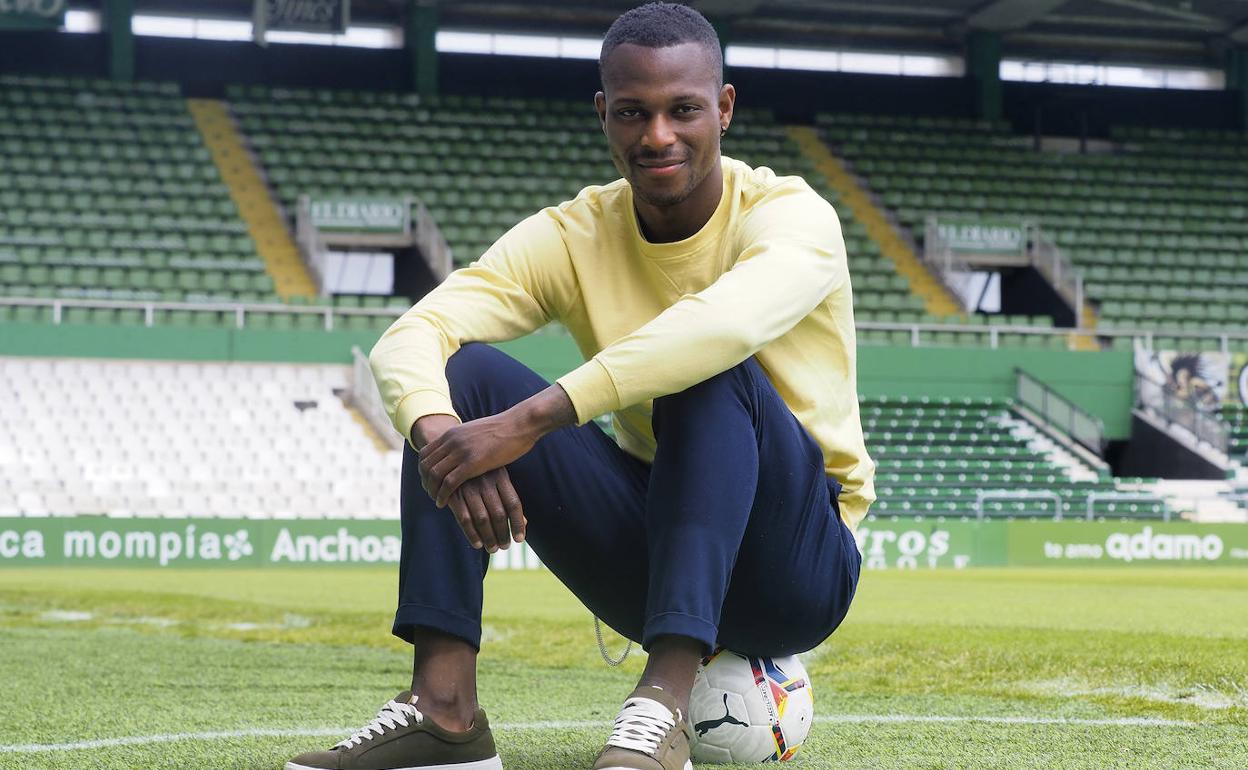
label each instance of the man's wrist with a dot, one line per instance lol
(429, 427)
(546, 412)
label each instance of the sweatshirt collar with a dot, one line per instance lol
(686, 246)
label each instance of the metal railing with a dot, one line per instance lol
(367, 398)
(955, 274)
(1057, 269)
(1157, 398)
(982, 495)
(1126, 497)
(421, 229)
(431, 243)
(1060, 412)
(308, 239)
(917, 334)
(1193, 507)
(240, 310)
(1041, 253)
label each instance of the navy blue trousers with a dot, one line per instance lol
(732, 536)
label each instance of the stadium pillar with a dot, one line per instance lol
(117, 15)
(1237, 83)
(723, 28)
(983, 67)
(419, 39)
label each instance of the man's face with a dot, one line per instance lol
(662, 111)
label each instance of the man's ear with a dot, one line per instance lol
(727, 100)
(600, 104)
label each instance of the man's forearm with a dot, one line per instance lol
(537, 415)
(546, 411)
(431, 426)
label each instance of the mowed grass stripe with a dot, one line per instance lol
(260, 732)
(972, 669)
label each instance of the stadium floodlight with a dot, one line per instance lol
(87, 22)
(539, 46)
(1121, 75)
(222, 29)
(162, 26)
(833, 60)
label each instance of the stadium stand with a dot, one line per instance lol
(107, 192)
(269, 440)
(477, 164)
(934, 456)
(368, 143)
(1159, 245)
(275, 440)
(880, 293)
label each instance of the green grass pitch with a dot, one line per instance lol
(122, 668)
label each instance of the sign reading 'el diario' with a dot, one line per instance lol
(983, 236)
(32, 14)
(360, 215)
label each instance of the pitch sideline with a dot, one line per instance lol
(139, 740)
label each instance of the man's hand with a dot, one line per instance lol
(467, 451)
(486, 507)
(463, 466)
(453, 453)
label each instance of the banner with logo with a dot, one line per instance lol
(885, 544)
(1103, 543)
(360, 215)
(928, 544)
(1238, 392)
(983, 236)
(325, 16)
(103, 541)
(32, 14)
(1198, 377)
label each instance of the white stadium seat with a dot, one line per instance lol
(144, 438)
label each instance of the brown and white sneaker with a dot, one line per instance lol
(400, 738)
(651, 733)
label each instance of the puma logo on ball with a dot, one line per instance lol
(703, 728)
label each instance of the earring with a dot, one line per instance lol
(723, 131)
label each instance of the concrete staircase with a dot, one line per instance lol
(936, 298)
(1075, 462)
(255, 203)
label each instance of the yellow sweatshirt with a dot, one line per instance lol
(766, 276)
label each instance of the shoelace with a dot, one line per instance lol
(390, 717)
(641, 725)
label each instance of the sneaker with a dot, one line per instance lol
(650, 733)
(400, 738)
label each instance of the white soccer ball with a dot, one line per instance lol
(750, 709)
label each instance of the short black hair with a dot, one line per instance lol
(659, 25)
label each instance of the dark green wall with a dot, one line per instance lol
(186, 343)
(1100, 382)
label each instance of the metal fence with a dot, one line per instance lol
(1057, 269)
(918, 334)
(1049, 496)
(431, 242)
(1159, 399)
(952, 271)
(367, 399)
(1060, 412)
(240, 310)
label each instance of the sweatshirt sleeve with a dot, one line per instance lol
(792, 259)
(516, 287)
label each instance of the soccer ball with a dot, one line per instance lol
(749, 709)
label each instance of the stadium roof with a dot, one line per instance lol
(1195, 32)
